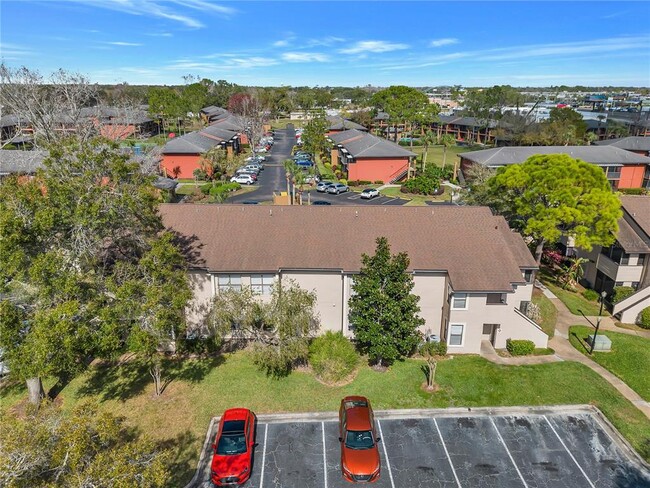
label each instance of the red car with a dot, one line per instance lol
(233, 447)
(358, 438)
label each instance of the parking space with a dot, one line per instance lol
(546, 449)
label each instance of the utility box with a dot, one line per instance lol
(603, 343)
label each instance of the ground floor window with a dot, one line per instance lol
(262, 284)
(456, 332)
(229, 282)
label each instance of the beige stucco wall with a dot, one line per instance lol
(431, 288)
(202, 290)
(328, 287)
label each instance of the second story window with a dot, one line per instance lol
(459, 301)
(528, 275)
(496, 299)
(262, 284)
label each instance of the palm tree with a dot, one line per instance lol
(428, 139)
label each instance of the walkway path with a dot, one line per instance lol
(565, 351)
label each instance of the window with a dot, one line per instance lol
(496, 299)
(625, 259)
(262, 284)
(528, 275)
(640, 260)
(459, 301)
(456, 334)
(619, 283)
(229, 282)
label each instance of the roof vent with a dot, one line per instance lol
(271, 212)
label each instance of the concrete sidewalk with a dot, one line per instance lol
(564, 351)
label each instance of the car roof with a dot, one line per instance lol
(357, 409)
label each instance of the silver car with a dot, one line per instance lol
(337, 188)
(323, 186)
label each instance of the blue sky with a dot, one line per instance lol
(471, 43)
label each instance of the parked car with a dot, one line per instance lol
(358, 438)
(311, 179)
(337, 188)
(252, 168)
(247, 173)
(321, 202)
(243, 179)
(233, 448)
(369, 193)
(323, 186)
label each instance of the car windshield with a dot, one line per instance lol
(232, 440)
(359, 439)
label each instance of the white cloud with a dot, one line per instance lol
(122, 43)
(325, 41)
(305, 57)
(447, 41)
(281, 43)
(169, 9)
(14, 52)
(373, 47)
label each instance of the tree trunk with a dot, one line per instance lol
(444, 155)
(424, 161)
(35, 389)
(431, 364)
(156, 373)
(539, 249)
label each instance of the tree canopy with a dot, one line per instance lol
(405, 104)
(383, 310)
(551, 196)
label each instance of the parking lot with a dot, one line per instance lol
(354, 198)
(554, 447)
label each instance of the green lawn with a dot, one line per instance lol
(574, 301)
(626, 360)
(548, 311)
(435, 154)
(203, 388)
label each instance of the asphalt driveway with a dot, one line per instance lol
(555, 448)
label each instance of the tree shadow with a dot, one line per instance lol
(182, 451)
(122, 380)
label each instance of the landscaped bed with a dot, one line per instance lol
(626, 359)
(547, 310)
(202, 388)
(575, 302)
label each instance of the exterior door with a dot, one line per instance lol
(490, 332)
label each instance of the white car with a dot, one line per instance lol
(242, 179)
(369, 193)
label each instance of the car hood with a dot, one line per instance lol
(360, 461)
(231, 465)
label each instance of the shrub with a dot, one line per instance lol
(353, 183)
(332, 357)
(205, 188)
(621, 293)
(552, 257)
(644, 318)
(436, 172)
(520, 347)
(421, 185)
(364, 182)
(433, 349)
(633, 191)
(379, 182)
(328, 165)
(199, 174)
(343, 180)
(591, 295)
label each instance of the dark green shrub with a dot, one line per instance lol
(365, 182)
(633, 191)
(520, 347)
(353, 183)
(332, 357)
(621, 293)
(379, 182)
(591, 295)
(421, 185)
(199, 174)
(644, 318)
(436, 172)
(205, 188)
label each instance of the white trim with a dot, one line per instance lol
(462, 337)
(508, 452)
(266, 431)
(444, 446)
(324, 454)
(466, 307)
(568, 451)
(383, 444)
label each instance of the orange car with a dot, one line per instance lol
(359, 453)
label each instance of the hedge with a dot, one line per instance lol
(621, 293)
(520, 347)
(644, 318)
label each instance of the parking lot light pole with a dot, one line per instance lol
(603, 294)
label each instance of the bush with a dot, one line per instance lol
(644, 318)
(353, 183)
(328, 165)
(343, 180)
(591, 295)
(436, 172)
(379, 182)
(621, 293)
(633, 191)
(421, 185)
(205, 188)
(520, 347)
(433, 349)
(332, 357)
(364, 182)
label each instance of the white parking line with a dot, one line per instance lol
(383, 443)
(569, 452)
(388, 201)
(324, 454)
(508, 451)
(266, 431)
(444, 446)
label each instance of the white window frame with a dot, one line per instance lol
(262, 284)
(462, 335)
(453, 301)
(225, 282)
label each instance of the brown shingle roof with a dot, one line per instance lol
(634, 227)
(467, 242)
